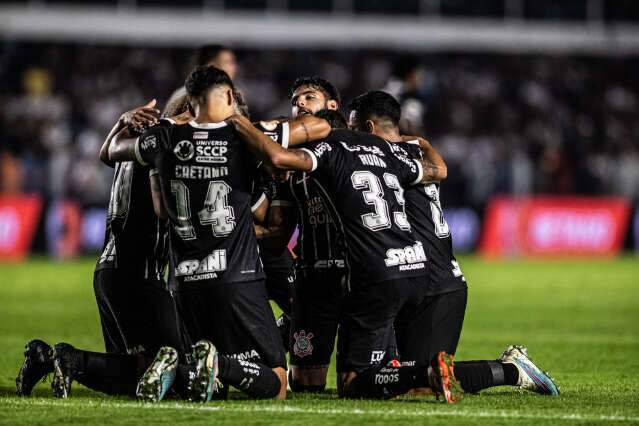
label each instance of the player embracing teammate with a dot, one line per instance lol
(374, 257)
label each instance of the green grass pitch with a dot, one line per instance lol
(580, 320)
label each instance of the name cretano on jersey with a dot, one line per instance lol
(407, 258)
(195, 270)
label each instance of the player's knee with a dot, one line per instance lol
(345, 388)
(308, 379)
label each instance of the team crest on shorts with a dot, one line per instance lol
(303, 345)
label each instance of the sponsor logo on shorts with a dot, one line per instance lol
(377, 356)
(407, 258)
(303, 345)
(246, 355)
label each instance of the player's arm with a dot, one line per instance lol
(269, 151)
(433, 164)
(307, 128)
(136, 118)
(156, 195)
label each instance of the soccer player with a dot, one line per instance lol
(362, 180)
(379, 113)
(136, 310)
(219, 56)
(206, 177)
(320, 269)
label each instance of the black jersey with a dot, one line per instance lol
(206, 176)
(429, 225)
(135, 239)
(361, 179)
(320, 246)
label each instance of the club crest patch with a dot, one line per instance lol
(303, 345)
(184, 150)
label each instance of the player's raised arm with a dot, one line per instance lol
(307, 128)
(433, 163)
(136, 118)
(269, 151)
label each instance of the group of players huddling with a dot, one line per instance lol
(217, 198)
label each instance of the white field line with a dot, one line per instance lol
(277, 408)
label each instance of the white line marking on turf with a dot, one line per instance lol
(261, 408)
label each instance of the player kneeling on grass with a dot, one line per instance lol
(438, 326)
(206, 179)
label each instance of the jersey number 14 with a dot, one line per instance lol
(216, 211)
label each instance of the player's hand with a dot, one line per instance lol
(239, 121)
(141, 117)
(423, 143)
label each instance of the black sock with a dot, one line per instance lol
(477, 375)
(113, 374)
(386, 382)
(257, 380)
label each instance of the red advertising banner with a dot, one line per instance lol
(19, 215)
(548, 226)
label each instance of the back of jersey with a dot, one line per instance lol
(135, 237)
(206, 175)
(362, 181)
(427, 218)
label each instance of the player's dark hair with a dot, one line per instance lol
(204, 78)
(334, 118)
(208, 53)
(320, 83)
(375, 105)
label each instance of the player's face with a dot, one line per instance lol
(226, 61)
(307, 100)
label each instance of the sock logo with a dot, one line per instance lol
(303, 345)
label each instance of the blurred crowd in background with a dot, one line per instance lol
(505, 124)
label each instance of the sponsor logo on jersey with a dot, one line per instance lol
(184, 150)
(211, 151)
(201, 135)
(303, 345)
(206, 268)
(377, 356)
(321, 148)
(407, 258)
(329, 263)
(357, 148)
(316, 211)
(149, 142)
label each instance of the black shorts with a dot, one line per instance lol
(317, 306)
(136, 315)
(236, 317)
(433, 325)
(366, 336)
(280, 280)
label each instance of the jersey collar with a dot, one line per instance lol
(207, 125)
